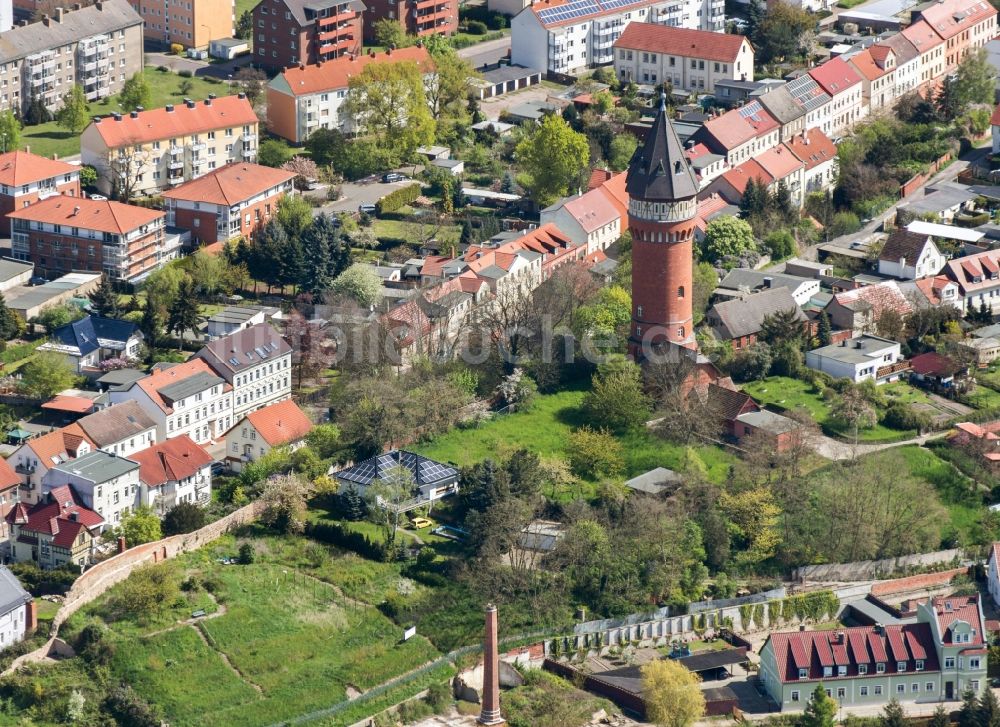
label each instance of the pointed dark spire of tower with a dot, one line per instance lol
(659, 169)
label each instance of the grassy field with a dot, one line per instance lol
(283, 642)
(545, 430)
(790, 393)
(413, 232)
(48, 139)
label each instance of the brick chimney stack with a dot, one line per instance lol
(30, 615)
(490, 714)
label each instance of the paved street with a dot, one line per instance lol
(353, 194)
(489, 52)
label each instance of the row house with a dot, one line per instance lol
(693, 60)
(255, 364)
(96, 47)
(843, 85)
(938, 658)
(61, 234)
(228, 203)
(56, 532)
(962, 25)
(786, 110)
(741, 133)
(417, 18)
(26, 178)
(282, 424)
(770, 168)
(878, 78)
(930, 48)
(290, 32)
(816, 102)
(10, 483)
(591, 219)
(304, 98)
(172, 472)
(978, 279)
(148, 151)
(819, 155)
(191, 24)
(121, 430)
(906, 77)
(706, 164)
(563, 36)
(183, 399)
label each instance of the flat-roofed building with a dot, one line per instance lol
(289, 32)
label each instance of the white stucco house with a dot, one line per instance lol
(858, 359)
(910, 256)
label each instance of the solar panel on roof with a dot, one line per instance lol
(574, 9)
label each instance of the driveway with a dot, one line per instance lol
(835, 449)
(364, 191)
(486, 53)
(198, 68)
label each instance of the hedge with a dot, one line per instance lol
(402, 196)
(349, 539)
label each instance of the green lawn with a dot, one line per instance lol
(48, 139)
(413, 232)
(545, 430)
(787, 393)
(291, 643)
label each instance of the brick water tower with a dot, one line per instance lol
(663, 204)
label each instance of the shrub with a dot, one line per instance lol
(439, 697)
(475, 27)
(163, 69)
(176, 48)
(185, 517)
(595, 453)
(247, 554)
(129, 709)
(903, 417)
(396, 199)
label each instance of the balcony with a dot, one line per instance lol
(198, 146)
(175, 164)
(197, 162)
(334, 21)
(177, 150)
(175, 180)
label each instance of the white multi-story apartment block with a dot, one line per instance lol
(567, 37)
(106, 483)
(187, 398)
(148, 151)
(256, 362)
(97, 47)
(651, 53)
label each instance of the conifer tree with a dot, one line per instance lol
(892, 715)
(183, 314)
(104, 300)
(11, 325)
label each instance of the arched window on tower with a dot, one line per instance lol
(680, 331)
(680, 291)
(638, 311)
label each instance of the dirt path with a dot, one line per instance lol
(836, 449)
(222, 610)
(198, 627)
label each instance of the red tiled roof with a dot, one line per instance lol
(592, 210)
(995, 118)
(883, 296)
(864, 63)
(950, 609)
(160, 378)
(599, 177)
(813, 147)
(951, 17)
(157, 124)
(231, 184)
(8, 477)
(812, 650)
(965, 270)
(659, 38)
(337, 73)
(170, 461)
(280, 423)
(932, 288)
(932, 363)
(922, 36)
(729, 404)
(880, 53)
(72, 404)
(750, 169)
(63, 515)
(21, 167)
(779, 161)
(835, 76)
(614, 190)
(88, 214)
(58, 446)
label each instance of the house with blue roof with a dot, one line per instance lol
(89, 341)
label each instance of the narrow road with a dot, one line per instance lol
(486, 53)
(835, 449)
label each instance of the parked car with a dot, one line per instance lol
(392, 177)
(368, 209)
(419, 523)
(218, 468)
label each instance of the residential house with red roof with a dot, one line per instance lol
(104, 482)
(590, 219)
(861, 309)
(877, 68)
(692, 60)
(290, 32)
(771, 167)
(816, 102)
(706, 164)
(568, 36)
(937, 658)
(189, 398)
(143, 152)
(843, 84)
(10, 481)
(741, 133)
(819, 155)
(63, 234)
(58, 531)
(228, 203)
(26, 178)
(304, 98)
(279, 425)
(930, 49)
(172, 472)
(906, 76)
(733, 183)
(33, 459)
(978, 279)
(963, 25)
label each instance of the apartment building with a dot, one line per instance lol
(877, 68)
(843, 84)
(292, 32)
(64, 234)
(228, 203)
(937, 658)
(568, 36)
(741, 134)
(190, 23)
(145, 152)
(817, 103)
(26, 178)
(907, 62)
(174, 471)
(97, 47)
(305, 98)
(415, 17)
(692, 60)
(104, 482)
(930, 48)
(963, 25)
(256, 363)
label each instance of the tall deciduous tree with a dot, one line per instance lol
(552, 160)
(389, 103)
(10, 131)
(251, 81)
(304, 169)
(135, 92)
(727, 236)
(294, 214)
(47, 374)
(360, 283)
(73, 114)
(672, 695)
(616, 399)
(11, 324)
(139, 526)
(975, 80)
(448, 89)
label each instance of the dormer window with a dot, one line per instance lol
(900, 666)
(880, 668)
(920, 665)
(828, 671)
(842, 671)
(862, 669)
(803, 673)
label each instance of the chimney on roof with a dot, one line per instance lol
(878, 628)
(241, 95)
(190, 103)
(857, 344)
(212, 97)
(118, 116)
(133, 114)
(839, 637)
(45, 20)
(170, 108)
(208, 102)
(73, 516)
(59, 15)
(768, 282)
(76, 211)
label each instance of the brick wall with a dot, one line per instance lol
(917, 583)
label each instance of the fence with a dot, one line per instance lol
(870, 570)
(623, 698)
